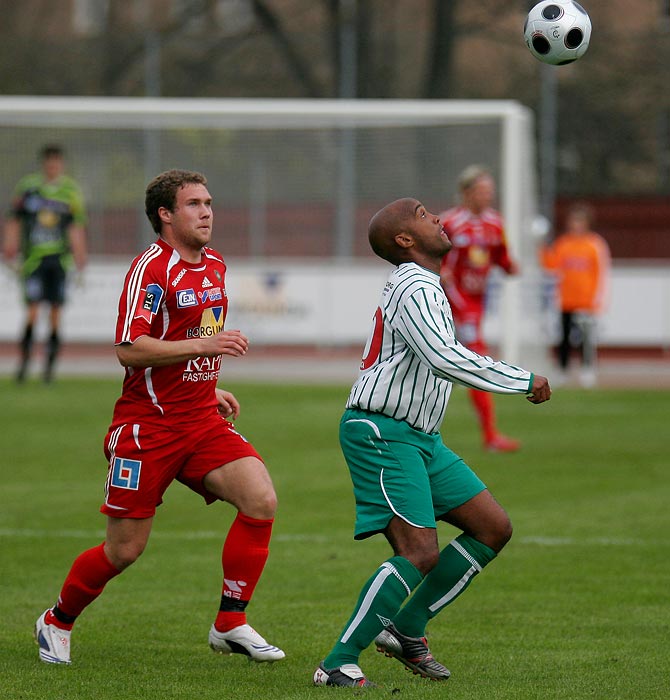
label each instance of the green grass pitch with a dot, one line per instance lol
(575, 607)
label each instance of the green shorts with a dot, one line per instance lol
(397, 470)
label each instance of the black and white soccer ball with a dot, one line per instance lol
(557, 32)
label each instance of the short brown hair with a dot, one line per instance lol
(51, 150)
(162, 192)
(470, 175)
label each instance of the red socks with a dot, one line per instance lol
(245, 552)
(89, 573)
(483, 404)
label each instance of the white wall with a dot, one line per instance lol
(328, 303)
(639, 307)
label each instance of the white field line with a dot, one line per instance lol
(29, 533)
(538, 540)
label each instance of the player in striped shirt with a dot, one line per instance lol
(171, 423)
(404, 477)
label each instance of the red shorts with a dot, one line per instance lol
(468, 320)
(144, 461)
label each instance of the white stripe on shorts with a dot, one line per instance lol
(375, 429)
(392, 507)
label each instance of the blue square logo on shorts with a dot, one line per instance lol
(126, 473)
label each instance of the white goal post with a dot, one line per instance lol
(294, 179)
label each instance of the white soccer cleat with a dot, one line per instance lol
(54, 642)
(244, 640)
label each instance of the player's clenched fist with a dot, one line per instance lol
(225, 343)
(540, 391)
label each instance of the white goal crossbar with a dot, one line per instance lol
(373, 151)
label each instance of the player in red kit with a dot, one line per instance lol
(171, 423)
(478, 237)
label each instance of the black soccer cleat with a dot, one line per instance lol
(345, 676)
(411, 651)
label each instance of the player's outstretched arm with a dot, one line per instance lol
(540, 391)
(153, 352)
(423, 324)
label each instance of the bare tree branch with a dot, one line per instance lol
(298, 67)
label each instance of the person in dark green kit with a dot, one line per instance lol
(45, 229)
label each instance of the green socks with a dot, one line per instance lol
(460, 561)
(383, 594)
(379, 601)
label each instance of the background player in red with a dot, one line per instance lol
(478, 237)
(171, 423)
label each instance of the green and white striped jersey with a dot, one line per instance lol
(412, 356)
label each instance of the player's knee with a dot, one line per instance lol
(425, 560)
(125, 554)
(262, 506)
(268, 504)
(429, 562)
(501, 533)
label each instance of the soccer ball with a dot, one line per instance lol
(557, 31)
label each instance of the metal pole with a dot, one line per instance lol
(346, 186)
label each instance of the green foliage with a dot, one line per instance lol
(575, 607)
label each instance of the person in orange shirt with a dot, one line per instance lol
(580, 259)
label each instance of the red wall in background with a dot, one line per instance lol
(634, 228)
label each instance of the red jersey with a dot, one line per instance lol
(478, 244)
(164, 297)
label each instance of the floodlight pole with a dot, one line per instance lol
(346, 185)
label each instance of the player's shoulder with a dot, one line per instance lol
(213, 255)
(215, 262)
(409, 278)
(493, 217)
(71, 188)
(67, 181)
(456, 220)
(410, 287)
(450, 214)
(598, 246)
(569, 241)
(155, 256)
(32, 181)
(597, 238)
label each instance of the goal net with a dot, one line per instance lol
(294, 182)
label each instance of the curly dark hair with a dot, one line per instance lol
(162, 192)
